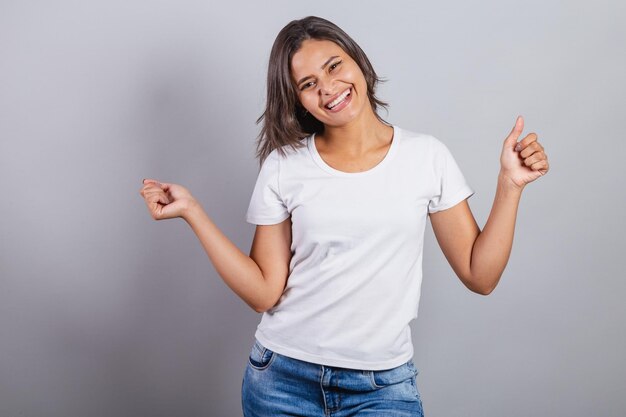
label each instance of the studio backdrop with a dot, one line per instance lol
(106, 312)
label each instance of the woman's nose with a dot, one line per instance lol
(326, 87)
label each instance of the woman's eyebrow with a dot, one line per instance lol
(322, 67)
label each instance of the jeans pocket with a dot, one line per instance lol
(260, 357)
(403, 373)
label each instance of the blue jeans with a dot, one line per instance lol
(277, 385)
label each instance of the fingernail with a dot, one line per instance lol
(518, 147)
(143, 180)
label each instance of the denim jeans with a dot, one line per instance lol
(277, 385)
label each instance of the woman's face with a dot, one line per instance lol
(330, 84)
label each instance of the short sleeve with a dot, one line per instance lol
(450, 184)
(266, 205)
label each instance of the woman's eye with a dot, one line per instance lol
(335, 65)
(307, 85)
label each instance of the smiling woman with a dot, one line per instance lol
(325, 90)
(292, 72)
(340, 207)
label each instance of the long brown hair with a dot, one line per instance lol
(284, 121)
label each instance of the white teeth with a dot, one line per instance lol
(339, 99)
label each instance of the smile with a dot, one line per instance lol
(342, 97)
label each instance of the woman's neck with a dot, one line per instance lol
(357, 137)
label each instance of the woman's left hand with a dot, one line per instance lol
(524, 161)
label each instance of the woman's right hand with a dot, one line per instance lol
(166, 201)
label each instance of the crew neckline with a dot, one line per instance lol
(322, 164)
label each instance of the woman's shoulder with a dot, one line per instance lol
(418, 139)
(289, 151)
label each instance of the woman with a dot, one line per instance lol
(340, 205)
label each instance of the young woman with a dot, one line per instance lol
(340, 205)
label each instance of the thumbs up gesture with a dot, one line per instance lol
(522, 161)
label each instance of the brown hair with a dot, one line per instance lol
(285, 122)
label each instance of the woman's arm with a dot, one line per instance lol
(479, 257)
(259, 279)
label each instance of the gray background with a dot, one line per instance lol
(105, 312)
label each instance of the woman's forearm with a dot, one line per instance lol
(237, 269)
(479, 258)
(492, 247)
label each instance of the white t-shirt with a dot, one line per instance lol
(356, 268)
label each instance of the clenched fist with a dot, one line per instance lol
(166, 201)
